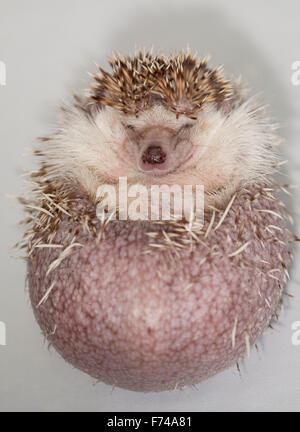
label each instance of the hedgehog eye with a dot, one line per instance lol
(187, 126)
(129, 126)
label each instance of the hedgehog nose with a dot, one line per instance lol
(154, 155)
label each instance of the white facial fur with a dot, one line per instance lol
(220, 150)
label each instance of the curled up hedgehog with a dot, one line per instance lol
(151, 305)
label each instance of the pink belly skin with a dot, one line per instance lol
(155, 321)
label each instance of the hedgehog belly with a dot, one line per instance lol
(154, 318)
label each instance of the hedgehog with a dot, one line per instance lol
(158, 304)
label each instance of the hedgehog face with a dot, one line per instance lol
(155, 143)
(158, 142)
(157, 147)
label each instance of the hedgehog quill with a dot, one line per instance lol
(157, 305)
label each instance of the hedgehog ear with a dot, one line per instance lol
(226, 107)
(239, 94)
(93, 108)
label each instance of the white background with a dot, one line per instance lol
(48, 46)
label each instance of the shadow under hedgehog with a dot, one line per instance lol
(145, 305)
